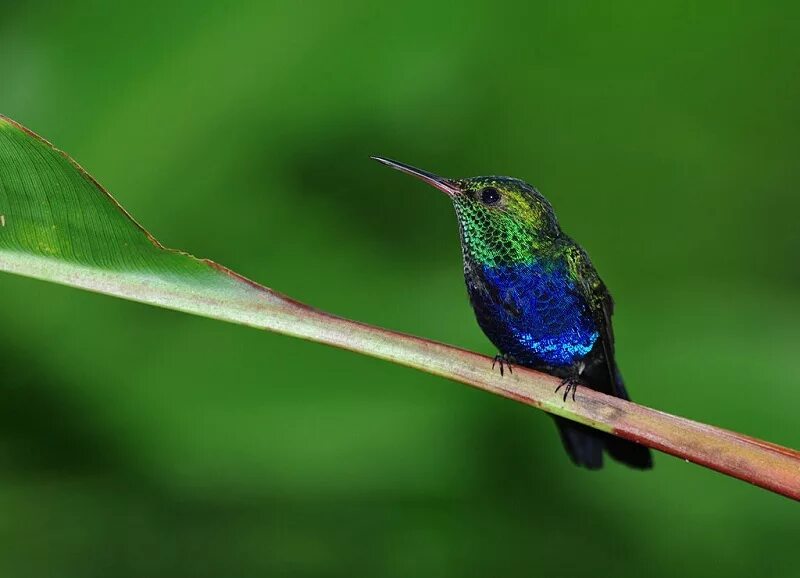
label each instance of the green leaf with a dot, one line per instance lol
(58, 224)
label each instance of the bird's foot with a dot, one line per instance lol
(504, 361)
(569, 384)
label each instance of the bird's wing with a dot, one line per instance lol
(600, 303)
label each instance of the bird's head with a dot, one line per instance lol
(502, 219)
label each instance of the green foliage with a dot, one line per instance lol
(136, 441)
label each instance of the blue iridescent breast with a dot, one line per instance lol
(535, 313)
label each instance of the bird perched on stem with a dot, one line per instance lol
(538, 298)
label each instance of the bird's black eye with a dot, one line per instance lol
(490, 195)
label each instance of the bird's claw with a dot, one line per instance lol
(569, 384)
(504, 362)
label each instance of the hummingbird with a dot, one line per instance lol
(538, 298)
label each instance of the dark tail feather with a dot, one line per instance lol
(629, 453)
(585, 446)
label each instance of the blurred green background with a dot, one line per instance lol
(141, 442)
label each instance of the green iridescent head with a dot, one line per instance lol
(502, 219)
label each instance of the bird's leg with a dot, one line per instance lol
(504, 360)
(570, 383)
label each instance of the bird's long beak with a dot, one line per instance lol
(447, 186)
